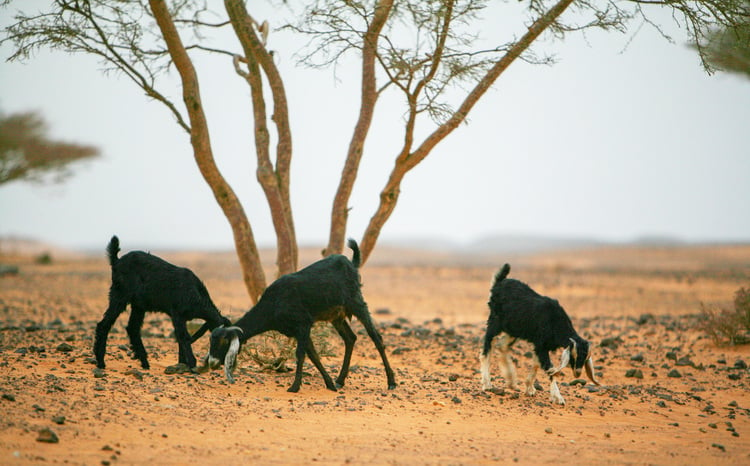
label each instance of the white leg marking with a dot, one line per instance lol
(554, 393)
(531, 378)
(484, 360)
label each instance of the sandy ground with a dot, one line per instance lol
(637, 306)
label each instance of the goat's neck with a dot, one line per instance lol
(254, 322)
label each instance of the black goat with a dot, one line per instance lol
(327, 290)
(517, 311)
(149, 283)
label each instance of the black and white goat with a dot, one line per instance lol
(149, 283)
(328, 290)
(518, 312)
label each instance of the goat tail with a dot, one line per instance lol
(112, 249)
(502, 273)
(356, 257)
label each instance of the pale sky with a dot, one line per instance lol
(620, 139)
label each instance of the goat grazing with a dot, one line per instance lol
(517, 311)
(149, 283)
(328, 290)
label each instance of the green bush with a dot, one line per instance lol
(728, 325)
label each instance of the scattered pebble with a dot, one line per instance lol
(47, 435)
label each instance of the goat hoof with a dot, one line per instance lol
(339, 384)
(332, 388)
(392, 386)
(293, 389)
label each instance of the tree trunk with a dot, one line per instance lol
(340, 211)
(244, 241)
(405, 162)
(275, 182)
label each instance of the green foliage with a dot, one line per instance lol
(26, 153)
(272, 350)
(728, 325)
(43, 259)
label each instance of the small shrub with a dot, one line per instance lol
(43, 259)
(732, 325)
(271, 350)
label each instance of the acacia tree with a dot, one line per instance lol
(728, 48)
(419, 48)
(28, 154)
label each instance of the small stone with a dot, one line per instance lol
(548, 430)
(634, 373)
(135, 373)
(637, 357)
(98, 373)
(59, 420)
(674, 373)
(9, 397)
(47, 435)
(64, 348)
(179, 368)
(740, 364)
(684, 361)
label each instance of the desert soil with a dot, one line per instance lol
(670, 395)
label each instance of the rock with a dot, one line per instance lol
(674, 373)
(634, 373)
(684, 361)
(180, 368)
(612, 342)
(135, 373)
(59, 420)
(637, 357)
(64, 348)
(645, 319)
(47, 435)
(9, 397)
(740, 364)
(98, 373)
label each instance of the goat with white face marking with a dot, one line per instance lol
(327, 290)
(518, 312)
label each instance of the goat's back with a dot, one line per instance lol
(327, 283)
(524, 313)
(153, 284)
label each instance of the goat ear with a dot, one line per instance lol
(564, 359)
(574, 349)
(230, 360)
(590, 371)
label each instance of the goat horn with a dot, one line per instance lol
(590, 371)
(230, 361)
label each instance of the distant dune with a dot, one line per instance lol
(17, 246)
